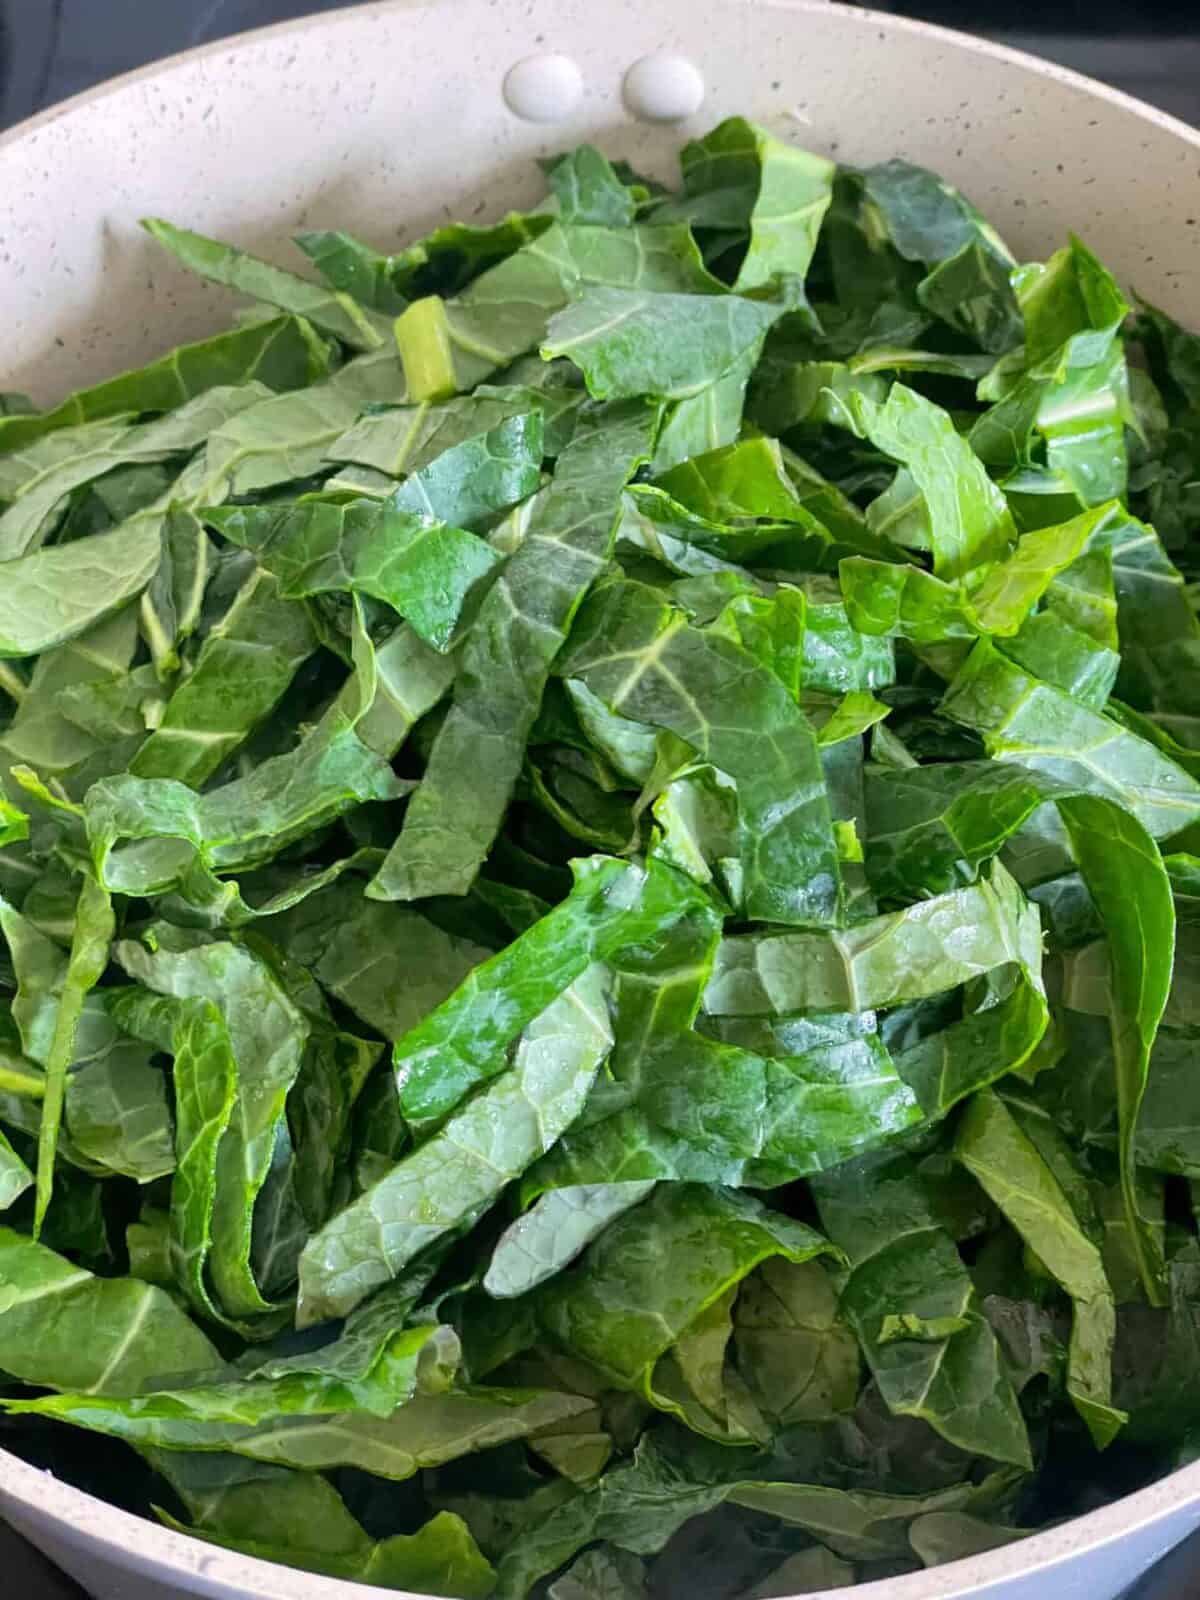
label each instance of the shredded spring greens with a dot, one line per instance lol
(600, 892)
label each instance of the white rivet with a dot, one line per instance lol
(543, 88)
(663, 88)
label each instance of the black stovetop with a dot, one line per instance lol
(53, 48)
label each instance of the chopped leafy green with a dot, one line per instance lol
(902, 956)
(600, 893)
(388, 1372)
(463, 1166)
(15, 1176)
(206, 1092)
(1066, 409)
(94, 929)
(915, 604)
(613, 336)
(686, 1106)
(993, 1148)
(463, 1042)
(421, 567)
(1029, 722)
(266, 1036)
(507, 658)
(969, 519)
(281, 353)
(56, 593)
(333, 313)
(740, 180)
(63, 1328)
(299, 1518)
(912, 1303)
(258, 645)
(148, 835)
(50, 480)
(449, 346)
(589, 188)
(654, 1271)
(554, 1231)
(1124, 873)
(637, 653)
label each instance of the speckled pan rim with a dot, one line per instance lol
(96, 1526)
(90, 1522)
(1038, 66)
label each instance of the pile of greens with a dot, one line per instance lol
(601, 895)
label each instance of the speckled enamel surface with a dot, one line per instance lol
(390, 117)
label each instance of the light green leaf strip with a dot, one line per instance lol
(462, 1168)
(506, 660)
(94, 929)
(992, 1147)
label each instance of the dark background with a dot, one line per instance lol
(53, 48)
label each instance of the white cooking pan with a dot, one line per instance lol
(389, 117)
